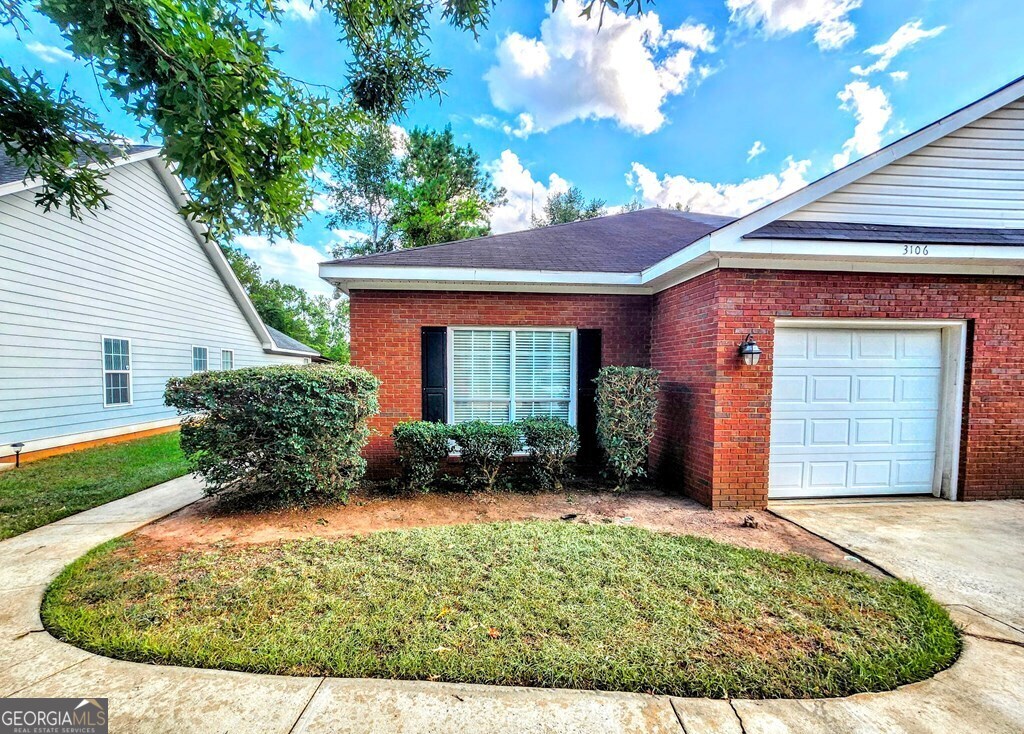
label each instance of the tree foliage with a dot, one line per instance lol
(201, 75)
(362, 187)
(443, 192)
(314, 320)
(569, 206)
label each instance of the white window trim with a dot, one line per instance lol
(222, 353)
(192, 358)
(450, 366)
(129, 371)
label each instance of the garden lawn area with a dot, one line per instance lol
(556, 604)
(43, 491)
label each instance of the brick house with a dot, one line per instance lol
(887, 300)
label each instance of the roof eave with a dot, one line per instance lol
(350, 277)
(33, 183)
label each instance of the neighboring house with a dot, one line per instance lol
(887, 297)
(96, 315)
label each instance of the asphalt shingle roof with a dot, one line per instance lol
(283, 341)
(11, 172)
(618, 243)
(900, 234)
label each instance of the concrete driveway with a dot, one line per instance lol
(968, 555)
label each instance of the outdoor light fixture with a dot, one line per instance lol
(17, 453)
(749, 351)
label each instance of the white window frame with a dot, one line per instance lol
(450, 367)
(104, 371)
(192, 357)
(222, 353)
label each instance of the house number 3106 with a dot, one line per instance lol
(915, 249)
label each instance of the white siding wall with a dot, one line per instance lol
(134, 271)
(973, 177)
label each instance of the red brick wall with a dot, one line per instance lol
(385, 328)
(684, 334)
(750, 300)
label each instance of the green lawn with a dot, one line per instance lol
(537, 603)
(43, 491)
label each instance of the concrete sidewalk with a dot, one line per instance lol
(982, 693)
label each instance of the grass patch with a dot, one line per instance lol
(43, 491)
(537, 604)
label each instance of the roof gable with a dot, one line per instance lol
(970, 177)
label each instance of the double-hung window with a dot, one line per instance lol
(227, 359)
(200, 359)
(502, 375)
(117, 372)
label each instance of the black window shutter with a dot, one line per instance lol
(588, 362)
(434, 351)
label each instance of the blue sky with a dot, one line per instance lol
(720, 105)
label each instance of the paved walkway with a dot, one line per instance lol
(983, 692)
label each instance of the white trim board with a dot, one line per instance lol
(66, 440)
(116, 160)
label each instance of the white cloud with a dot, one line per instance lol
(399, 140)
(288, 261)
(299, 9)
(524, 194)
(49, 54)
(572, 71)
(734, 199)
(524, 126)
(870, 107)
(899, 76)
(829, 18)
(755, 150)
(905, 36)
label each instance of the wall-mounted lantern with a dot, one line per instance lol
(17, 453)
(749, 351)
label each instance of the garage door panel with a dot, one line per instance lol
(872, 474)
(854, 411)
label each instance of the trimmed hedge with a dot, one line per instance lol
(626, 404)
(484, 448)
(552, 444)
(422, 446)
(287, 430)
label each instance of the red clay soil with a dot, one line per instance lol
(209, 522)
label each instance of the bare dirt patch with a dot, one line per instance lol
(209, 522)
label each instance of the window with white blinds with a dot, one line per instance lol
(502, 375)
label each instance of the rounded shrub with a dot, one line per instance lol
(627, 399)
(552, 444)
(484, 448)
(422, 447)
(288, 430)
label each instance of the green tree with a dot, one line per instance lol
(201, 74)
(314, 320)
(569, 206)
(443, 192)
(361, 190)
(633, 205)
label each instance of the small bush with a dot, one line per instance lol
(287, 430)
(484, 448)
(422, 446)
(626, 404)
(552, 443)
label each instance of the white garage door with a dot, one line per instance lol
(854, 412)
